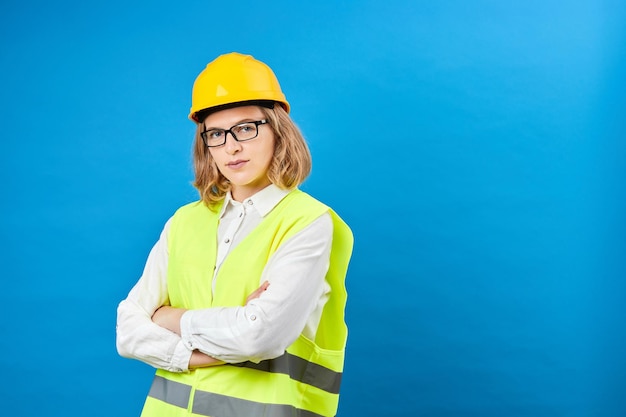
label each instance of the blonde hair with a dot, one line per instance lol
(290, 165)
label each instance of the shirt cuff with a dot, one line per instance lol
(186, 334)
(180, 358)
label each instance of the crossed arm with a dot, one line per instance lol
(169, 318)
(271, 319)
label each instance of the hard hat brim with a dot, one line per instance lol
(200, 115)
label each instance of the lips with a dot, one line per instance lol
(236, 164)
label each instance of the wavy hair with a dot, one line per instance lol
(290, 165)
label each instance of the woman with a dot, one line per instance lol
(241, 303)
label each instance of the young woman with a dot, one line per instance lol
(241, 303)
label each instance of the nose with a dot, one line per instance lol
(231, 146)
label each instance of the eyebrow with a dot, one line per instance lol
(246, 120)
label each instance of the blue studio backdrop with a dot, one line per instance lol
(475, 148)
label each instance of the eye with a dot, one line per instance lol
(214, 134)
(244, 128)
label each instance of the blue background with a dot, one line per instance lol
(475, 148)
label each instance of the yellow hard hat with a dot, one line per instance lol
(234, 78)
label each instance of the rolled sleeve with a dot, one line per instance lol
(137, 336)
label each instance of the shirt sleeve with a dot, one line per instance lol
(138, 337)
(266, 326)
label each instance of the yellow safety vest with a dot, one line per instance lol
(305, 380)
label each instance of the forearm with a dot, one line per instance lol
(201, 360)
(140, 338)
(169, 318)
(157, 344)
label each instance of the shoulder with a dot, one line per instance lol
(196, 208)
(193, 215)
(304, 202)
(190, 208)
(341, 230)
(322, 225)
(316, 209)
(297, 208)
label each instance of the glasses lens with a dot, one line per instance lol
(214, 137)
(245, 131)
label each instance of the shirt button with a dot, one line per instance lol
(253, 317)
(250, 202)
(226, 240)
(240, 214)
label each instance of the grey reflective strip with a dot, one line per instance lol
(300, 370)
(170, 392)
(215, 405)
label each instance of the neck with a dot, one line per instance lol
(240, 193)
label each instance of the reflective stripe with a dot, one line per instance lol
(171, 392)
(300, 370)
(216, 405)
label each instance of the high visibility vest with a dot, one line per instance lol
(305, 380)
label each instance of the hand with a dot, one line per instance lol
(169, 318)
(257, 293)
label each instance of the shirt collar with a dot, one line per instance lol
(263, 201)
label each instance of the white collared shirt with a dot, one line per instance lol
(260, 330)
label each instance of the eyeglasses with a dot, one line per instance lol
(241, 133)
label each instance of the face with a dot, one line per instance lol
(244, 164)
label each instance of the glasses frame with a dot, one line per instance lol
(256, 124)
